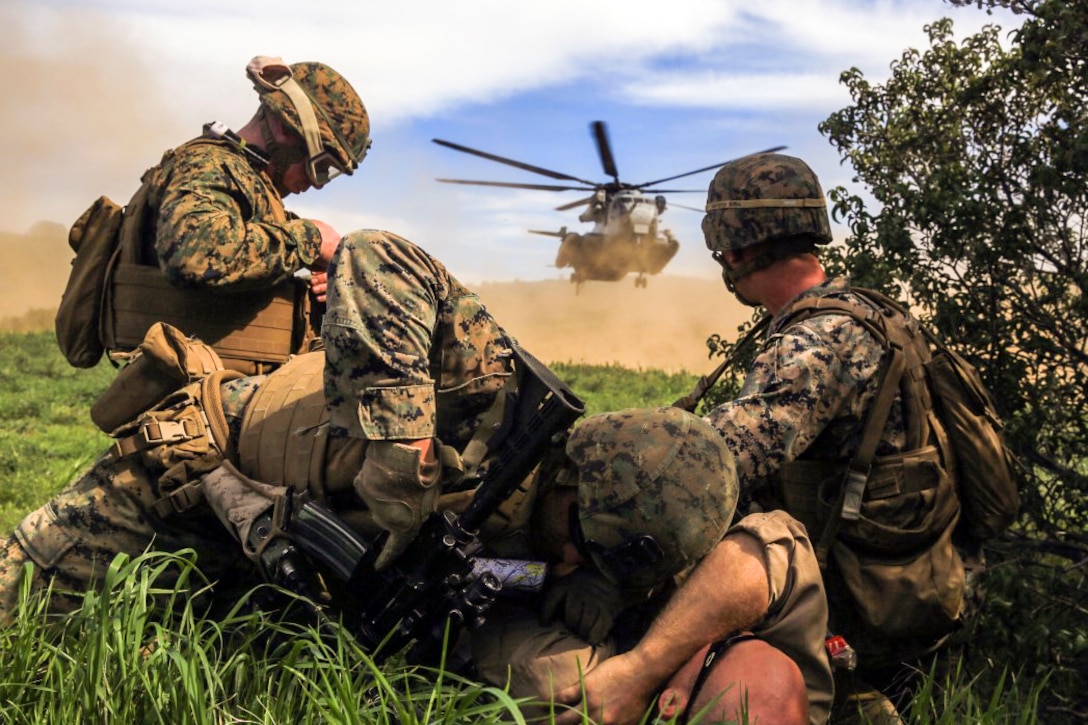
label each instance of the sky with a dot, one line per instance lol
(96, 90)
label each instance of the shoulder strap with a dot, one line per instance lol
(848, 504)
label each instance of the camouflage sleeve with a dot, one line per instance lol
(384, 296)
(809, 375)
(796, 620)
(221, 224)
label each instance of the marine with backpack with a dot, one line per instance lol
(855, 420)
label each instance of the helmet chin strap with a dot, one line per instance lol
(280, 156)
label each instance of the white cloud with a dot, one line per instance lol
(762, 91)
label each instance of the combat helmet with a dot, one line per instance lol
(765, 198)
(657, 488)
(318, 104)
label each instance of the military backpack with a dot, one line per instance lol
(891, 531)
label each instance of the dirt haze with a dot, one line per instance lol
(662, 326)
(34, 267)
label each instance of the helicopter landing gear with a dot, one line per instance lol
(577, 280)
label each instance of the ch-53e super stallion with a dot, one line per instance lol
(627, 236)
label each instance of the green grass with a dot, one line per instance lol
(46, 434)
(124, 657)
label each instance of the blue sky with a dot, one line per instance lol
(97, 89)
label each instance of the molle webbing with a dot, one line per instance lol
(284, 436)
(257, 326)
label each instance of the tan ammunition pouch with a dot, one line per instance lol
(94, 238)
(285, 442)
(163, 362)
(184, 436)
(252, 331)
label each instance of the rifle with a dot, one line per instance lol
(432, 587)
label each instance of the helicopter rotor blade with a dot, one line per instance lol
(670, 191)
(689, 208)
(604, 148)
(515, 185)
(707, 168)
(573, 204)
(511, 162)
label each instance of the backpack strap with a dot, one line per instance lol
(893, 364)
(852, 493)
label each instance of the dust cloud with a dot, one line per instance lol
(663, 326)
(34, 268)
(82, 118)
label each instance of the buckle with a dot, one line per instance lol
(855, 491)
(161, 432)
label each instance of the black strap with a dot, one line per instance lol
(716, 650)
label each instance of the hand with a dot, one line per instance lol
(585, 602)
(330, 240)
(319, 285)
(616, 693)
(398, 482)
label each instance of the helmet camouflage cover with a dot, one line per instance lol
(659, 473)
(764, 198)
(341, 116)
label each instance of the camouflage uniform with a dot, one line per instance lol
(652, 473)
(219, 222)
(410, 353)
(210, 217)
(799, 421)
(806, 394)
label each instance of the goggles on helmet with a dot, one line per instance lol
(322, 165)
(617, 563)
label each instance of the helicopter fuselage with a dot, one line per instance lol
(625, 240)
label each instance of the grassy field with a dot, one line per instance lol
(124, 658)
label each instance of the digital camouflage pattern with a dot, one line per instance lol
(105, 511)
(764, 198)
(806, 394)
(236, 395)
(220, 223)
(341, 115)
(661, 472)
(409, 352)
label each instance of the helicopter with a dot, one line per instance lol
(626, 236)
